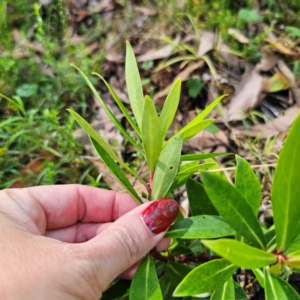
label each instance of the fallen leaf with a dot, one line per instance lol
(277, 45)
(277, 82)
(247, 95)
(206, 141)
(163, 52)
(207, 42)
(145, 10)
(290, 75)
(238, 36)
(273, 127)
(250, 91)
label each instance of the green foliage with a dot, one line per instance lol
(247, 15)
(145, 284)
(224, 225)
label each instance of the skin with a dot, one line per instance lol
(69, 241)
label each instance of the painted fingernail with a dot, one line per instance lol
(160, 214)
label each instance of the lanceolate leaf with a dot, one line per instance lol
(134, 85)
(97, 137)
(200, 227)
(190, 130)
(294, 259)
(278, 289)
(108, 112)
(247, 184)
(206, 111)
(224, 292)
(120, 104)
(170, 107)
(194, 169)
(286, 189)
(151, 133)
(240, 253)
(166, 168)
(259, 274)
(198, 199)
(177, 271)
(205, 278)
(145, 285)
(232, 206)
(115, 169)
(199, 156)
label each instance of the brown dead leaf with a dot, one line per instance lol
(247, 95)
(289, 74)
(206, 141)
(228, 56)
(238, 36)
(163, 52)
(146, 10)
(278, 46)
(273, 127)
(207, 42)
(250, 91)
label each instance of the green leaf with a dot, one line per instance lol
(115, 170)
(224, 292)
(177, 271)
(27, 90)
(166, 168)
(108, 112)
(170, 107)
(96, 136)
(240, 253)
(207, 110)
(205, 278)
(117, 290)
(247, 183)
(200, 227)
(198, 199)
(199, 156)
(165, 284)
(134, 85)
(286, 189)
(145, 285)
(194, 87)
(278, 289)
(232, 206)
(120, 104)
(13, 102)
(190, 130)
(260, 277)
(194, 169)
(151, 133)
(239, 292)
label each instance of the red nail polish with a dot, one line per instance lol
(160, 214)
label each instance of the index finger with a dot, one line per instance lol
(66, 205)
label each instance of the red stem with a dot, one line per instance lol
(201, 257)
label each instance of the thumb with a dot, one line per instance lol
(130, 238)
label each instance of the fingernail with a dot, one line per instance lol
(160, 214)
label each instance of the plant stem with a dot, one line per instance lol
(200, 257)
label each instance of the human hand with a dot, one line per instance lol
(42, 249)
